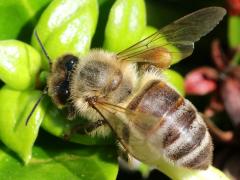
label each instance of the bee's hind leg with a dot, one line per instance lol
(84, 129)
(125, 159)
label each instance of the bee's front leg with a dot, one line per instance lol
(85, 129)
(88, 128)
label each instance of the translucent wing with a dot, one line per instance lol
(122, 120)
(176, 40)
(135, 130)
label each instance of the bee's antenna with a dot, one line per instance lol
(43, 48)
(45, 89)
(33, 109)
(35, 105)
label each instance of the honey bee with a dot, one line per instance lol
(126, 93)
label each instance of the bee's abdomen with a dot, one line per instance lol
(180, 132)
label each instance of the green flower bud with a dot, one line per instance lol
(19, 64)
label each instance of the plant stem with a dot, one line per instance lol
(179, 173)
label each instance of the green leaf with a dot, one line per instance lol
(67, 26)
(104, 10)
(56, 123)
(175, 79)
(149, 30)
(126, 24)
(233, 31)
(236, 59)
(61, 162)
(18, 18)
(234, 37)
(19, 64)
(14, 110)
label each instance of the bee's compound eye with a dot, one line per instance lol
(70, 62)
(63, 91)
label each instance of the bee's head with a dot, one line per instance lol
(59, 79)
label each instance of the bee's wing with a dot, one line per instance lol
(124, 121)
(176, 40)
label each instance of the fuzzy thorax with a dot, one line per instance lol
(101, 75)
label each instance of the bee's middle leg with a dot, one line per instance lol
(85, 129)
(88, 128)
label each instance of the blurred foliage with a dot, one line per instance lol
(60, 160)
(18, 18)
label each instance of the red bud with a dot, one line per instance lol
(234, 7)
(201, 81)
(219, 57)
(230, 93)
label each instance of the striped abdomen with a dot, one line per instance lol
(179, 133)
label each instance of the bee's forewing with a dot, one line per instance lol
(176, 40)
(136, 131)
(127, 123)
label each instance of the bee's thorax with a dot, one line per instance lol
(100, 75)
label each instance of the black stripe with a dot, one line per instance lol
(187, 147)
(202, 160)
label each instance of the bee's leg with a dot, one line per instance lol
(88, 128)
(71, 112)
(122, 153)
(85, 129)
(126, 159)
